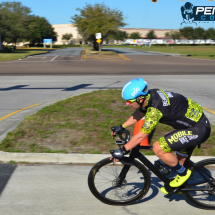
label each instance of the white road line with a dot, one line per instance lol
(54, 58)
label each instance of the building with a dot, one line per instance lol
(77, 39)
(61, 29)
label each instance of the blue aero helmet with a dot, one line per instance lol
(134, 89)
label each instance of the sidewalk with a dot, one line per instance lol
(68, 158)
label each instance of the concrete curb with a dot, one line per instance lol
(68, 158)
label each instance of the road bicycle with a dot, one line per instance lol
(128, 181)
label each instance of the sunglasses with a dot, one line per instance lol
(131, 101)
(134, 100)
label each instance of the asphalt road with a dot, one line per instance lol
(127, 62)
(62, 189)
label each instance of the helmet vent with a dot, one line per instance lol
(145, 89)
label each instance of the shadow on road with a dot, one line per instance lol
(6, 171)
(156, 184)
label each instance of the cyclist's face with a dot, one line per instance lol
(134, 105)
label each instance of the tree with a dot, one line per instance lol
(151, 35)
(210, 34)
(135, 35)
(187, 32)
(67, 37)
(199, 33)
(12, 18)
(97, 18)
(121, 35)
(172, 35)
(38, 29)
(175, 35)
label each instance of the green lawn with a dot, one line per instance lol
(206, 52)
(19, 54)
(76, 126)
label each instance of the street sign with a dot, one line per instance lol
(98, 35)
(47, 40)
(98, 41)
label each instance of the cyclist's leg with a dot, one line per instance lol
(164, 154)
(183, 154)
(184, 141)
(163, 150)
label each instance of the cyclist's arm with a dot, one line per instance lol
(135, 117)
(135, 140)
(152, 118)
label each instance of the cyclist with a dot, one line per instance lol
(157, 105)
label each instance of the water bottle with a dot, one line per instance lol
(162, 168)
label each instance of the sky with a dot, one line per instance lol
(164, 14)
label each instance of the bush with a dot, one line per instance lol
(64, 46)
(6, 49)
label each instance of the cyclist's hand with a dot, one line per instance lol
(117, 129)
(114, 159)
(117, 155)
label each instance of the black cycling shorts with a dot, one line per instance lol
(185, 140)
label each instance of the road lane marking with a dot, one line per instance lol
(10, 114)
(83, 55)
(54, 58)
(211, 111)
(123, 57)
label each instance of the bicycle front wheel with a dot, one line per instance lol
(202, 199)
(103, 181)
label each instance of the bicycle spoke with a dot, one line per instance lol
(203, 179)
(120, 193)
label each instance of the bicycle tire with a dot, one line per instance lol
(202, 199)
(131, 191)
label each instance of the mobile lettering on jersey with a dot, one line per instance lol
(186, 139)
(175, 137)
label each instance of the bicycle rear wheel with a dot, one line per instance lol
(202, 199)
(103, 182)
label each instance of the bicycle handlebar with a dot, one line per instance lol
(126, 132)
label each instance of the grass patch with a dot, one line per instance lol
(19, 54)
(204, 52)
(81, 124)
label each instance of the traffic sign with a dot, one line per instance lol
(47, 40)
(98, 41)
(98, 35)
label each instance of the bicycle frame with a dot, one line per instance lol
(135, 153)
